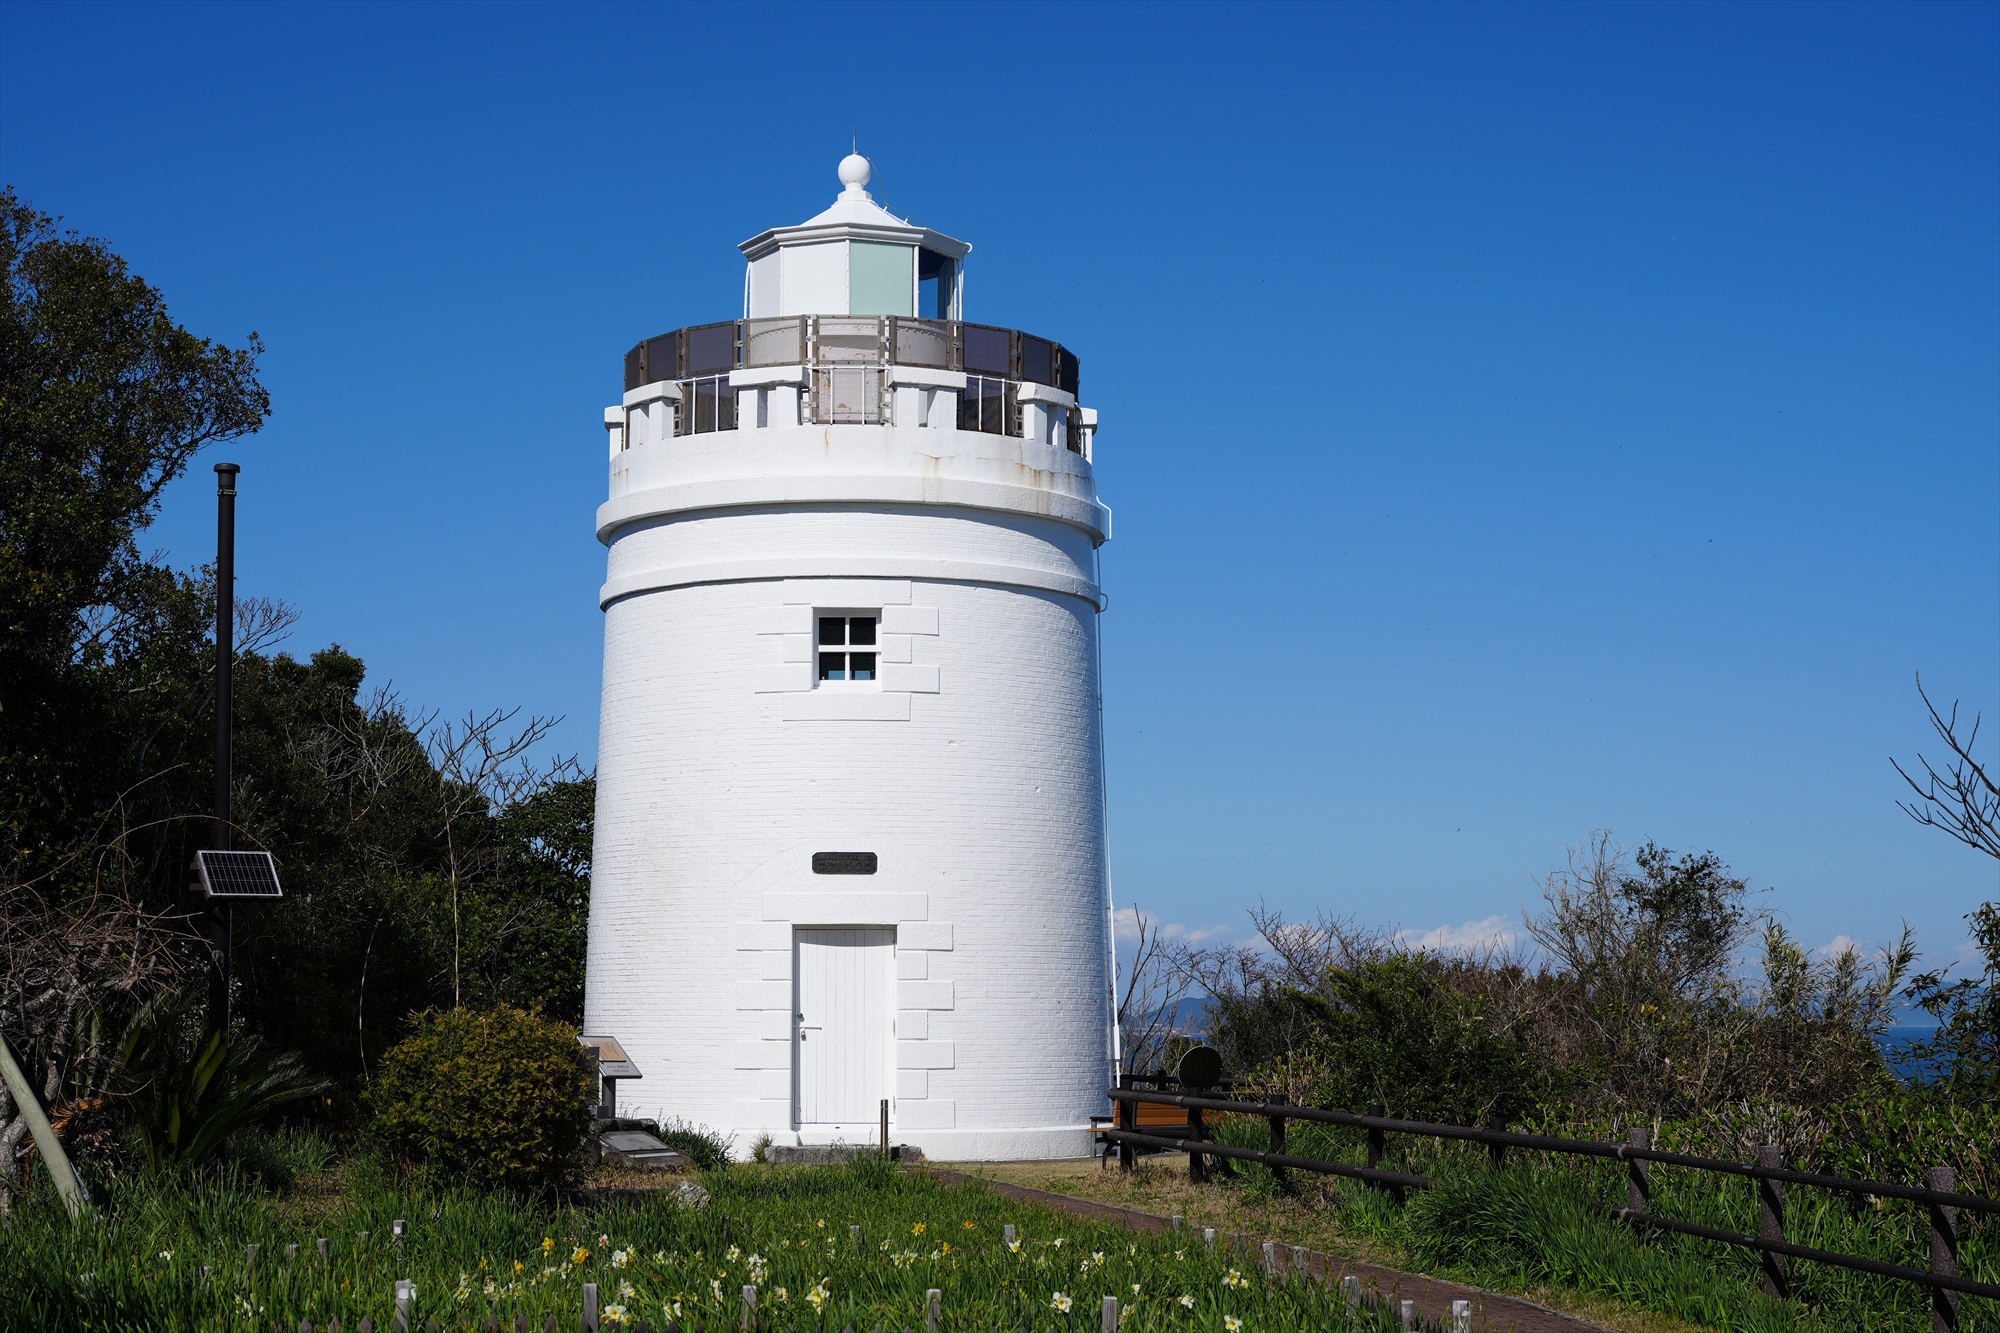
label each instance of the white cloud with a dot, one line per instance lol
(1839, 945)
(1493, 932)
(1126, 922)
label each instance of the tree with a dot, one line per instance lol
(104, 656)
(1963, 800)
(104, 400)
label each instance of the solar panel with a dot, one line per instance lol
(238, 874)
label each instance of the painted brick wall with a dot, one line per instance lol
(977, 778)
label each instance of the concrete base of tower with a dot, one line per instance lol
(1047, 1144)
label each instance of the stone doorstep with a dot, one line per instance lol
(1491, 1311)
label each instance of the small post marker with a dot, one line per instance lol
(1178, 1220)
(1638, 1180)
(291, 1251)
(250, 1254)
(1110, 1323)
(1350, 1287)
(1944, 1248)
(398, 1229)
(1299, 1264)
(1771, 1222)
(325, 1247)
(590, 1307)
(1208, 1237)
(933, 1315)
(406, 1292)
(854, 1237)
(1461, 1317)
(1409, 1324)
(1008, 1232)
(749, 1306)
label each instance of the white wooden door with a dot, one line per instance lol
(843, 1020)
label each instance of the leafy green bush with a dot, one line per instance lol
(493, 1098)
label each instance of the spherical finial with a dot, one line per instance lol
(854, 172)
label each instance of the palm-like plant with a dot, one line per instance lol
(188, 1091)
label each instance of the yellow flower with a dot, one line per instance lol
(1232, 1323)
(972, 1226)
(581, 1256)
(1060, 1303)
(520, 1267)
(548, 1244)
(917, 1230)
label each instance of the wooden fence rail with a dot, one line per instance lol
(1937, 1194)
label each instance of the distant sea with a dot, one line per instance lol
(1897, 1037)
(1191, 1017)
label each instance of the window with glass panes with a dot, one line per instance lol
(846, 649)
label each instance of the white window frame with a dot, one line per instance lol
(847, 614)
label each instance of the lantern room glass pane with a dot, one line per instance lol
(881, 279)
(936, 279)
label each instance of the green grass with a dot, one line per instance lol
(1542, 1221)
(785, 1229)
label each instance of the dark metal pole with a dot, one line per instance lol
(220, 926)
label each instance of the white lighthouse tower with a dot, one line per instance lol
(850, 813)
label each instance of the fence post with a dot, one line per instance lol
(1126, 1121)
(1944, 1248)
(933, 1310)
(1375, 1137)
(1771, 1221)
(1496, 1153)
(749, 1306)
(1108, 1321)
(1197, 1132)
(1278, 1141)
(405, 1291)
(590, 1307)
(1638, 1176)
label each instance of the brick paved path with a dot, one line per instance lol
(1491, 1312)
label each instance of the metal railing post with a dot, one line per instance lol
(1638, 1179)
(1127, 1119)
(1944, 1248)
(1771, 1221)
(1496, 1153)
(1197, 1133)
(1278, 1141)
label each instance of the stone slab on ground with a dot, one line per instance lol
(837, 1154)
(1491, 1311)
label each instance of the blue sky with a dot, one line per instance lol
(1519, 420)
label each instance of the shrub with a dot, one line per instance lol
(708, 1150)
(188, 1090)
(494, 1098)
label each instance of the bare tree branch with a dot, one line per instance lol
(1963, 800)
